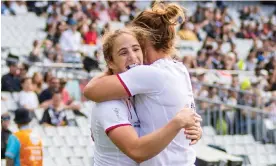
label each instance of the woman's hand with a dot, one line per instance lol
(194, 133)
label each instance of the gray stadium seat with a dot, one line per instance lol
(239, 139)
(74, 131)
(208, 140)
(47, 141)
(71, 141)
(63, 131)
(229, 140)
(272, 159)
(50, 131)
(270, 148)
(61, 161)
(208, 130)
(219, 140)
(248, 139)
(260, 149)
(86, 161)
(54, 151)
(75, 161)
(83, 140)
(58, 141)
(239, 150)
(48, 161)
(250, 149)
(80, 151)
(67, 152)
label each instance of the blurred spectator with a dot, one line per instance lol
(35, 53)
(47, 79)
(186, 32)
(24, 68)
(64, 93)
(235, 82)
(37, 81)
(24, 147)
(48, 93)
(11, 81)
(19, 7)
(27, 97)
(251, 61)
(5, 133)
(91, 63)
(55, 114)
(103, 14)
(70, 42)
(229, 61)
(91, 36)
(94, 14)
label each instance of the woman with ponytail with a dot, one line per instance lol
(160, 87)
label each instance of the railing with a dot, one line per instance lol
(229, 119)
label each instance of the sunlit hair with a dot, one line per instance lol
(110, 37)
(160, 22)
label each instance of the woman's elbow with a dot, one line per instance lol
(88, 93)
(137, 157)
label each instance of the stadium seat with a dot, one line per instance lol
(50, 131)
(248, 139)
(63, 131)
(75, 161)
(208, 140)
(67, 152)
(39, 113)
(58, 141)
(61, 161)
(250, 149)
(86, 161)
(47, 141)
(270, 148)
(272, 159)
(54, 151)
(260, 149)
(74, 131)
(80, 151)
(48, 161)
(229, 140)
(71, 141)
(208, 130)
(219, 140)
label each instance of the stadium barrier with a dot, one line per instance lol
(228, 119)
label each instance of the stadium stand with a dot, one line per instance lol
(228, 47)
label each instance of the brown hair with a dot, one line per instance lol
(160, 22)
(110, 37)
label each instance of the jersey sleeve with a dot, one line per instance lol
(13, 147)
(112, 114)
(142, 79)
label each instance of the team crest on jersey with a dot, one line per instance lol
(116, 110)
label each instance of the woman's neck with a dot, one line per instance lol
(156, 55)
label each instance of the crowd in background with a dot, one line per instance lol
(71, 24)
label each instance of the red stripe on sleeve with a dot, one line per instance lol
(116, 126)
(124, 85)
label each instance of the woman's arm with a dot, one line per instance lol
(104, 88)
(146, 147)
(138, 80)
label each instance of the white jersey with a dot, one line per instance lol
(107, 116)
(161, 90)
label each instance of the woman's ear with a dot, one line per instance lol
(111, 65)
